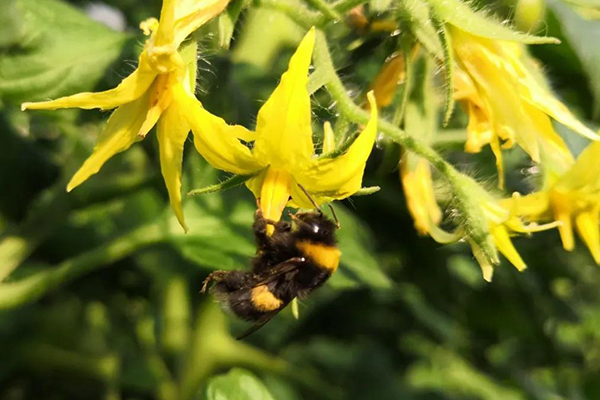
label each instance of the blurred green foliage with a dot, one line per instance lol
(99, 288)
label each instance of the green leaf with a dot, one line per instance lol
(479, 23)
(238, 384)
(61, 51)
(220, 235)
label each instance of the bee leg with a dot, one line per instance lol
(214, 276)
(260, 229)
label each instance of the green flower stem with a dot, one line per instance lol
(26, 290)
(296, 12)
(326, 9)
(343, 6)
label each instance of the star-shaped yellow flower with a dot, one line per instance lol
(283, 153)
(572, 199)
(506, 103)
(151, 95)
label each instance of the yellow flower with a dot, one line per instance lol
(501, 223)
(415, 173)
(283, 156)
(505, 102)
(391, 75)
(573, 198)
(151, 95)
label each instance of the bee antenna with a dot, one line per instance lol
(314, 203)
(335, 218)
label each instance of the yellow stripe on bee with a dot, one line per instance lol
(264, 300)
(326, 257)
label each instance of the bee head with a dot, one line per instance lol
(314, 226)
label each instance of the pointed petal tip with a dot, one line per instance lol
(24, 106)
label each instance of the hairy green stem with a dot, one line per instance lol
(350, 110)
(327, 10)
(295, 12)
(26, 290)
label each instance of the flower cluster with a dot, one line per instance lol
(488, 72)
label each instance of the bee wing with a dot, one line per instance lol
(280, 269)
(257, 325)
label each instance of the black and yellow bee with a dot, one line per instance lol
(295, 259)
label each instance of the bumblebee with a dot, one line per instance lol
(298, 257)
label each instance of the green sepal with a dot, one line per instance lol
(226, 22)
(448, 61)
(416, 15)
(462, 16)
(468, 202)
(231, 182)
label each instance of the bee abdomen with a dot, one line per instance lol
(264, 300)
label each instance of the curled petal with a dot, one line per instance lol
(337, 178)
(283, 129)
(130, 89)
(173, 130)
(215, 140)
(118, 135)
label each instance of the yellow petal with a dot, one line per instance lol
(328, 138)
(166, 27)
(584, 175)
(505, 246)
(495, 146)
(118, 135)
(534, 206)
(587, 224)
(172, 132)
(191, 14)
(418, 190)
(283, 129)
(388, 79)
(561, 207)
(547, 102)
(275, 189)
(215, 140)
(130, 89)
(161, 97)
(337, 178)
